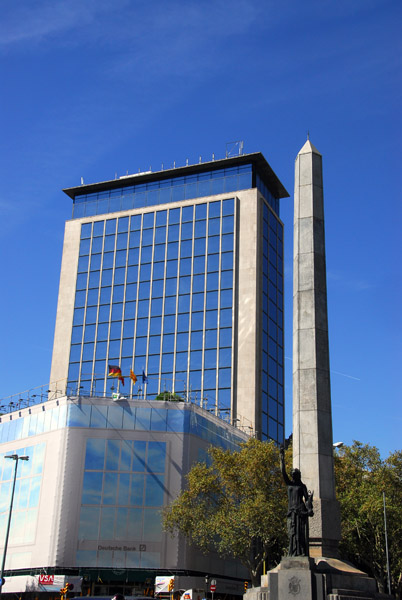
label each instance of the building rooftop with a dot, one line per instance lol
(256, 159)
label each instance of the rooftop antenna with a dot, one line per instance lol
(200, 160)
(233, 148)
(213, 155)
(82, 181)
(186, 162)
(162, 167)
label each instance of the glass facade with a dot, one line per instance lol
(115, 417)
(172, 189)
(122, 496)
(163, 191)
(154, 293)
(26, 494)
(272, 354)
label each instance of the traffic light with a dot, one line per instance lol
(67, 588)
(245, 586)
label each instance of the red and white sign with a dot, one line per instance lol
(212, 587)
(46, 579)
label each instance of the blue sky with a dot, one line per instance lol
(95, 88)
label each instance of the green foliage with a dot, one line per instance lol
(361, 478)
(169, 396)
(236, 506)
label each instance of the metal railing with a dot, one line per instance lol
(60, 389)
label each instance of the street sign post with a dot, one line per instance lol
(212, 587)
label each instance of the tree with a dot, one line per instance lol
(169, 396)
(361, 479)
(236, 506)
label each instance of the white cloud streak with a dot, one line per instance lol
(332, 371)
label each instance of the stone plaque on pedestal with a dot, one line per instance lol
(295, 578)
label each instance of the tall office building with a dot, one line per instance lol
(177, 275)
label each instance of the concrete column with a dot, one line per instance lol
(312, 419)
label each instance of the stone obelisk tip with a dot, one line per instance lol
(309, 147)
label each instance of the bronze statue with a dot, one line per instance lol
(300, 508)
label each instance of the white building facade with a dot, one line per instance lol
(88, 502)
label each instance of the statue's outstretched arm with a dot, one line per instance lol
(283, 468)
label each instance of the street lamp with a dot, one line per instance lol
(16, 458)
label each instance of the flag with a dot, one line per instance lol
(144, 377)
(116, 372)
(133, 377)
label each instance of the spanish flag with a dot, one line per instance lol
(133, 377)
(116, 372)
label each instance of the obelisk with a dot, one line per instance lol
(312, 417)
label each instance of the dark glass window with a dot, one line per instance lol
(214, 209)
(147, 237)
(169, 324)
(181, 361)
(170, 305)
(118, 293)
(109, 243)
(157, 289)
(211, 338)
(96, 245)
(210, 359)
(214, 226)
(121, 258)
(154, 345)
(103, 330)
(143, 308)
(181, 341)
(107, 277)
(187, 213)
(146, 254)
(92, 297)
(183, 322)
(110, 226)
(196, 340)
(84, 247)
(200, 212)
(213, 245)
(86, 229)
(78, 316)
(83, 264)
(121, 241)
(174, 215)
(171, 268)
(148, 221)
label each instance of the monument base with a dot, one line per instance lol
(305, 578)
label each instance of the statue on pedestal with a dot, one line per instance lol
(300, 508)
